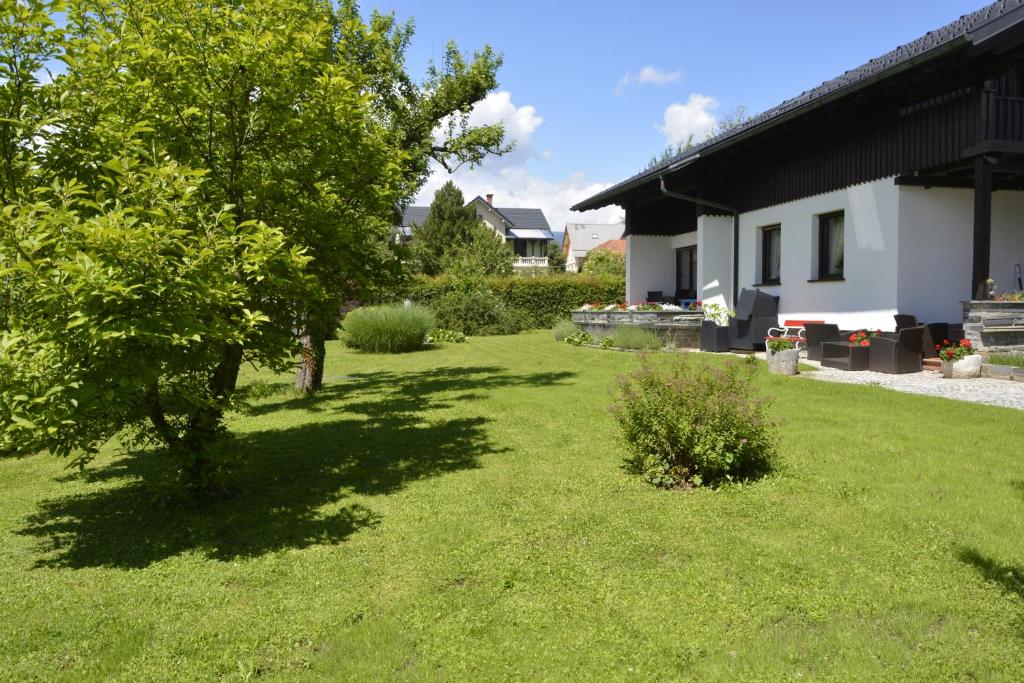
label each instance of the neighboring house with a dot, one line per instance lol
(617, 246)
(579, 238)
(526, 230)
(896, 187)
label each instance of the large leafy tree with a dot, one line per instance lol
(283, 105)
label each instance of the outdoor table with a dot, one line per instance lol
(844, 356)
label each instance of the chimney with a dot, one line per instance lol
(490, 199)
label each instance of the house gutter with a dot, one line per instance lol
(721, 207)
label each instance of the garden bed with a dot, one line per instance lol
(676, 328)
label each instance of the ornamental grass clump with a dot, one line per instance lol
(565, 328)
(388, 329)
(687, 423)
(636, 338)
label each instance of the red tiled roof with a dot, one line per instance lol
(618, 246)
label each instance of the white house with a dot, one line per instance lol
(580, 238)
(525, 229)
(896, 187)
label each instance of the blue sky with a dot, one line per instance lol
(579, 128)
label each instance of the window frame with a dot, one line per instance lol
(765, 279)
(692, 249)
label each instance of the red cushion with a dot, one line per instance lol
(801, 323)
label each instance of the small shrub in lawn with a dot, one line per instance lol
(637, 338)
(608, 343)
(564, 329)
(579, 339)
(388, 329)
(443, 336)
(686, 423)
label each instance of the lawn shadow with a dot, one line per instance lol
(1008, 576)
(370, 434)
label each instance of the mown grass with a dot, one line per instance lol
(1016, 360)
(462, 514)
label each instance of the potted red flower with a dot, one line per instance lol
(862, 337)
(959, 359)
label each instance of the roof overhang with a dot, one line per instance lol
(526, 234)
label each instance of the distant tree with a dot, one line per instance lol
(731, 119)
(726, 122)
(670, 153)
(604, 262)
(483, 254)
(449, 225)
(556, 259)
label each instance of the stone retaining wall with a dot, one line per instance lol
(995, 326)
(677, 328)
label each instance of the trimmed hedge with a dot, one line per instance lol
(545, 299)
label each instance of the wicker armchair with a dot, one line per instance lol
(934, 333)
(756, 313)
(897, 356)
(816, 333)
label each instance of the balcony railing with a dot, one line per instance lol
(1004, 117)
(531, 262)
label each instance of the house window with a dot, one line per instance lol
(686, 273)
(771, 254)
(830, 246)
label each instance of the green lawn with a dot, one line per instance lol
(1007, 359)
(461, 514)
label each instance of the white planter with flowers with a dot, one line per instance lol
(959, 360)
(782, 355)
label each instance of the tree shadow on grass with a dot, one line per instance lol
(1009, 577)
(371, 434)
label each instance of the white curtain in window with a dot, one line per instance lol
(774, 254)
(835, 245)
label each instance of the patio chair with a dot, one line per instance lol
(897, 356)
(817, 333)
(756, 313)
(934, 333)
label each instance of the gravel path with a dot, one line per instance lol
(993, 392)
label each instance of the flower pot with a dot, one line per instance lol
(713, 338)
(967, 367)
(783, 362)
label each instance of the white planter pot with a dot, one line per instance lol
(968, 367)
(783, 362)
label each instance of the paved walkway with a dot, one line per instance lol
(993, 392)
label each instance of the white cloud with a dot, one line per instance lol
(649, 75)
(694, 117)
(509, 179)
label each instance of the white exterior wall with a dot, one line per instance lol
(936, 248)
(867, 297)
(714, 259)
(907, 250)
(650, 266)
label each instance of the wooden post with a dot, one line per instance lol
(982, 227)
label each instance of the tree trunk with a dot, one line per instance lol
(204, 428)
(309, 378)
